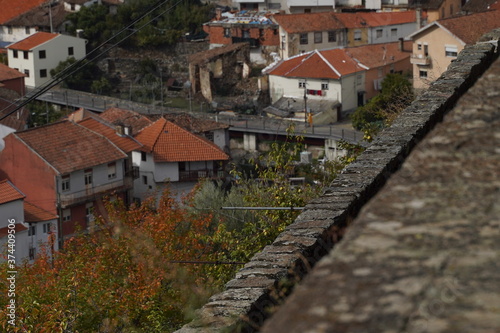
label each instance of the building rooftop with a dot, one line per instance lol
(8, 192)
(68, 147)
(171, 143)
(41, 17)
(33, 213)
(134, 120)
(7, 73)
(11, 9)
(32, 41)
(470, 27)
(376, 55)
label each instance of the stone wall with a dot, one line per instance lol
(260, 285)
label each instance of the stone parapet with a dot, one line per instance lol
(395, 256)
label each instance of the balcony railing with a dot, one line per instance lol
(94, 191)
(186, 176)
(420, 59)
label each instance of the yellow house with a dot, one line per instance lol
(437, 44)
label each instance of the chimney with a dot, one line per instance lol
(418, 14)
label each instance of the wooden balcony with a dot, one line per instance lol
(92, 192)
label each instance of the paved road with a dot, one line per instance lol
(254, 124)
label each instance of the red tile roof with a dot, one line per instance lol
(34, 213)
(7, 73)
(18, 119)
(68, 147)
(117, 116)
(171, 143)
(377, 55)
(326, 64)
(470, 28)
(124, 142)
(32, 41)
(8, 192)
(297, 23)
(18, 228)
(11, 9)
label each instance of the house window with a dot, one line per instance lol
(14, 53)
(111, 170)
(261, 33)
(304, 39)
(43, 73)
(73, 7)
(442, 12)
(379, 33)
(66, 215)
(65, 184)
(450, 51)
(88, 177)
(46, 228)
(42, 54)
(332, 36)
(71, 51)
(394, 32)
(145, 180)
(26, 54)
(245, 33)
(359, 79)
(357, 35)
(302, 83)
(28, 30)
(324, 85)
(380, 72)
(426, 50)
(27, 72)
(419, 46)
(422, 74)
(209, 136)
(32, 253)
(9, 30)
(318, 37)
(32, 230)
(227, 32)
(144, 157)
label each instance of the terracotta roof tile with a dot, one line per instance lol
(171, 143)
(18, 119)
(32, 41)
(8, 192)
(124, 142)
(34, 213)
(326, 64)
(68, 147)
(297, 23)
(7, 73)
(117, 116)
(374, 19)
(18, 228)
(377, 55)
(40, 17)
(11, 9)
(470, 27)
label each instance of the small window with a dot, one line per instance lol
(9, 30)
(71, 51)
(14, 53)
(111, 170)
(26, 54)
(227, 32)
(47, 228)
(144, 156)
(245, 33)
(422, 74)
(73, 6)
(43, 73)
(89, 212)
(32, 253)
(380, 72)
(42, 54)
(66, 215)
(27, 72)
(357, 35)
(302, 83)
(65, 183)
(324, 85)
(261, 33)
(332, 36)
(88, 177)
(304, 39)
(145, 180)
(318, 37)
(379, 33)
(28, 30)
(451, 51)
(359, 79)
(209, 136)
(32, 230)
(419, 46)
(394, 32)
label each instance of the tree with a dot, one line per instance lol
(42, 113)
(83, 79)
(396, 94)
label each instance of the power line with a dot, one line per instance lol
(70, 70)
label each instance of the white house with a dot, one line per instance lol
(39, 53)
(25, 229)
(328, 80)
(288, 6)
(172, 154)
